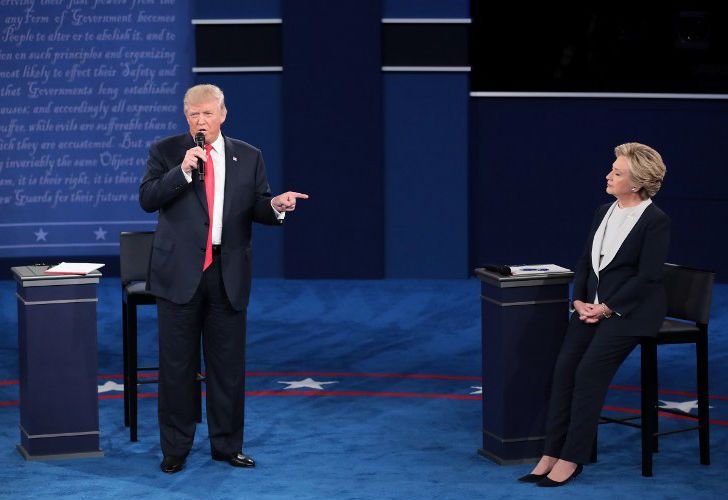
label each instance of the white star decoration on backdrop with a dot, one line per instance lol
(307, 383)
(684, 406)
(111, 386)
(40, 235)
(100, 234)
(478, 389)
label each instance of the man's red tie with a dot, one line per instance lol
(210, 193)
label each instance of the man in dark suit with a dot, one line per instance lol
(200, 272)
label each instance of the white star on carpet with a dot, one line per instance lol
(111, 386)
(307, 383)
(100, 234)
(40, 235)
(684, 406)
(478, 389)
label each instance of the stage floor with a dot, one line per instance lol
(358, 389)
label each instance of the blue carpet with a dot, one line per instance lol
(399, 422)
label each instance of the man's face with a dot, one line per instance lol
(205, 117)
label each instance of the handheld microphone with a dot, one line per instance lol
(200, 141)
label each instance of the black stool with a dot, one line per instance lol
(135, 249)
(689, 294)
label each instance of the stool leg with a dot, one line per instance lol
(701, 349)
(648, 365)
(125, 348)
(133, 375)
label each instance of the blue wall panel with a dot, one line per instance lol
(332, 138)
(426, 151)
(427, 8)
(538, 168)
(239, 9)
(253, 101)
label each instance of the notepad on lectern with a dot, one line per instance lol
(79, 268)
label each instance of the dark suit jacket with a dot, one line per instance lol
(631, 284)
(179, 242)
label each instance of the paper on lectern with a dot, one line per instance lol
(537, 269)
(74, 268)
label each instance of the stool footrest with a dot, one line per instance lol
(685, 429)
(620, 421)
(676, 412)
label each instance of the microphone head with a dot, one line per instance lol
(200, 139)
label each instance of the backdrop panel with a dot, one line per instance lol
(426, 151)
(332, 138)
(86, 89)
(538, 168)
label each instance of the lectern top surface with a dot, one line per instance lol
(35, 276)
(503, 281)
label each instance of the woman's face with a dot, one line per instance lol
(619, 179)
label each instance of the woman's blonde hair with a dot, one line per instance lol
(646, 167)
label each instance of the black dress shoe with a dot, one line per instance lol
(171, 464)
(532, 478)
(236, 459)
(550, 483)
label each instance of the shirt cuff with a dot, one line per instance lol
(279, 215)
(188, 176)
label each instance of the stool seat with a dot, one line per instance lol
(674, 331)
(137, 288)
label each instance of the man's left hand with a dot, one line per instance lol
(286, 202)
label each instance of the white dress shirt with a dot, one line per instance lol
(611, 232)
(217, 152)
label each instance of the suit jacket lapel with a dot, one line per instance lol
(231, 173)
(598, 238)
(624, 231)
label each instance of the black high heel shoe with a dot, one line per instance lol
(532, 478)
(550, 483)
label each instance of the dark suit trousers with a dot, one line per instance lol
(584, 369)
(223, 339)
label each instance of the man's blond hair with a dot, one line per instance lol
(203, 93)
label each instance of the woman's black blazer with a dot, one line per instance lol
(631, 284)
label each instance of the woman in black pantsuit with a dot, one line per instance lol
(618, 297)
